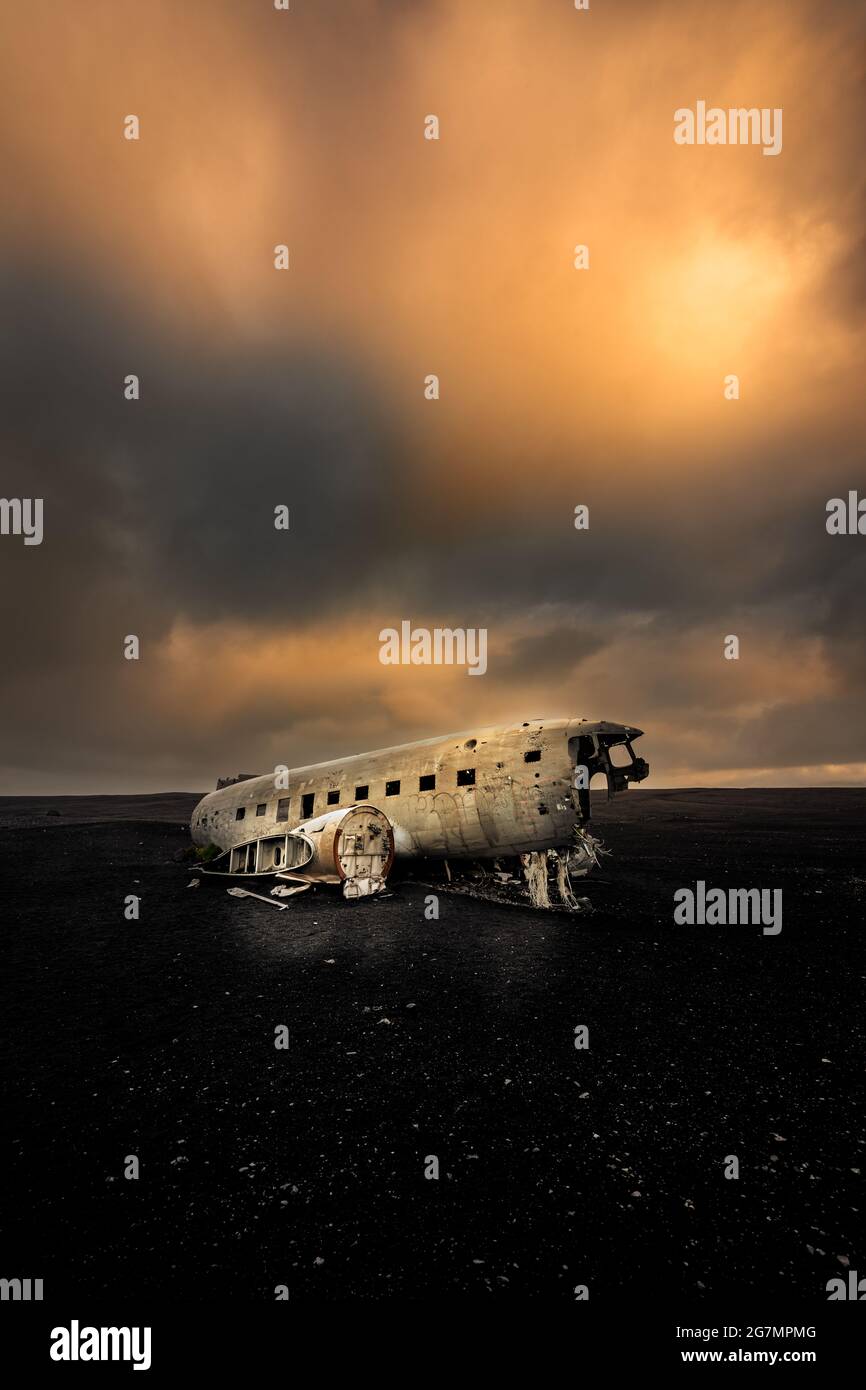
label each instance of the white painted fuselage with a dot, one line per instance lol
(510, 789)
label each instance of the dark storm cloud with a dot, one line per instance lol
(167, 503)
(174, 494)
(163, 508)
(548, 653)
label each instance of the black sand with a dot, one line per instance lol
(451, 1038)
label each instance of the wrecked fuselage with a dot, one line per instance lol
(509, 792)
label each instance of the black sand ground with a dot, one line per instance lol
(451, 1038)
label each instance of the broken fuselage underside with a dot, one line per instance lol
(516, 792)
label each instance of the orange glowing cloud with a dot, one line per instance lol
(455, 257)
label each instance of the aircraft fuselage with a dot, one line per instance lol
(509, 789)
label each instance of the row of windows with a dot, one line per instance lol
(426, 783)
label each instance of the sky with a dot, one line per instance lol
(602, 387)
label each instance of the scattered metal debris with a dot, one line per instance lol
(563, 883)
(245, 893)
(542, 880)
(585, 853)
(535, 873)
(577, 859)
(284, 891)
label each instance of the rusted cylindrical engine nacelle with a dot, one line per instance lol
(354, 847)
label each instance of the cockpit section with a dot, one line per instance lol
(606, 749)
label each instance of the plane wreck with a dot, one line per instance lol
(514, 799)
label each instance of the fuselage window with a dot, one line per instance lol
(283, 808)
(333, 798)
(240, 812)
(361, 793)
(262, 808)
(466, 777)
(307, 802)
(533, 756)
(392, 788)
(427, 783)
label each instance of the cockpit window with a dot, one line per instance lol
(619, 754)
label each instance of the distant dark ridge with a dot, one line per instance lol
(101, 797)
(20, 811)
(717, 803)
